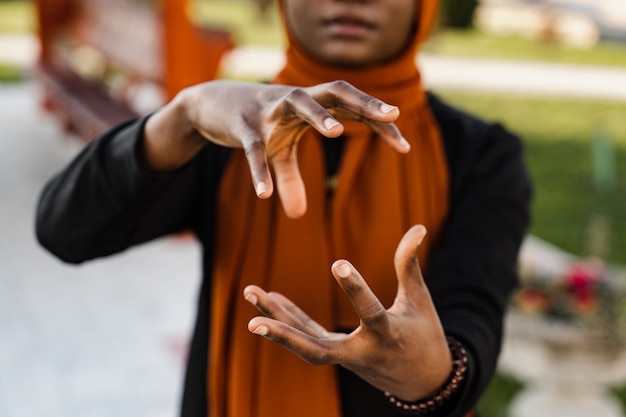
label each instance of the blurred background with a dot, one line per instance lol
(109, 337)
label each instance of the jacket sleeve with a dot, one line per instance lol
(103, 202)
(473, 269)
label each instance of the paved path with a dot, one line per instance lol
(104, 339)
(445, 72)
(18, 49)
(440, 72)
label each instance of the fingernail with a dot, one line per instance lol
(261, 188)
(405, 143)
(261, 331)
(329, 123)
(419, 240)
(343, 271)
(386, 108)
(251, 298)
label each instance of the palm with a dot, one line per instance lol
(393, 349)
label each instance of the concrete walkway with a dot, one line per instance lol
(486, 75)
(439, 72)
(104, 339)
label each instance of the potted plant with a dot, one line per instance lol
(566, 339)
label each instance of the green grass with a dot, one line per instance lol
(9, 73)
(477, 44)
(558, 135)
(503, 389)
(497, 397)
(242, 19)
(17, 17)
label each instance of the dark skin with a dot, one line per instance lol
(267, 121)
(393, 349)
(401, 349)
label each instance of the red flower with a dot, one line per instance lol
(585, 303)
(581, 282)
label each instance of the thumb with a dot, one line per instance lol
(410, 281)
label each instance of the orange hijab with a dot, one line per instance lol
(380, 194)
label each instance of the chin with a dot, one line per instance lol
(349, 60)
(346, 55)
(353, 56)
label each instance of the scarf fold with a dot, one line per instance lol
(380, 194)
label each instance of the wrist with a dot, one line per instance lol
(424, 381)
(445, 392)
(169, 140)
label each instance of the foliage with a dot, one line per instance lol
(458, 13)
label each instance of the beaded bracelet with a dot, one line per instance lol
(459, 369)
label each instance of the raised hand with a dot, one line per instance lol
(402, 349)
(267, 121)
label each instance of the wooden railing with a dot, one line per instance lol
(104, 61)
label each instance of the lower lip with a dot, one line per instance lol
(348, 30)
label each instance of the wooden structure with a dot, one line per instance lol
(98, 56)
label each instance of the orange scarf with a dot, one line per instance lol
(379, 195)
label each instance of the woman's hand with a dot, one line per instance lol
(402, 350)
(267, 121)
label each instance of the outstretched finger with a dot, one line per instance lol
(348, 102)
(411, 283)
(341, 95)
(313, 350)
(257, 161)
(300, 105)
(281, 308)
(368, 307)
(390, 133)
